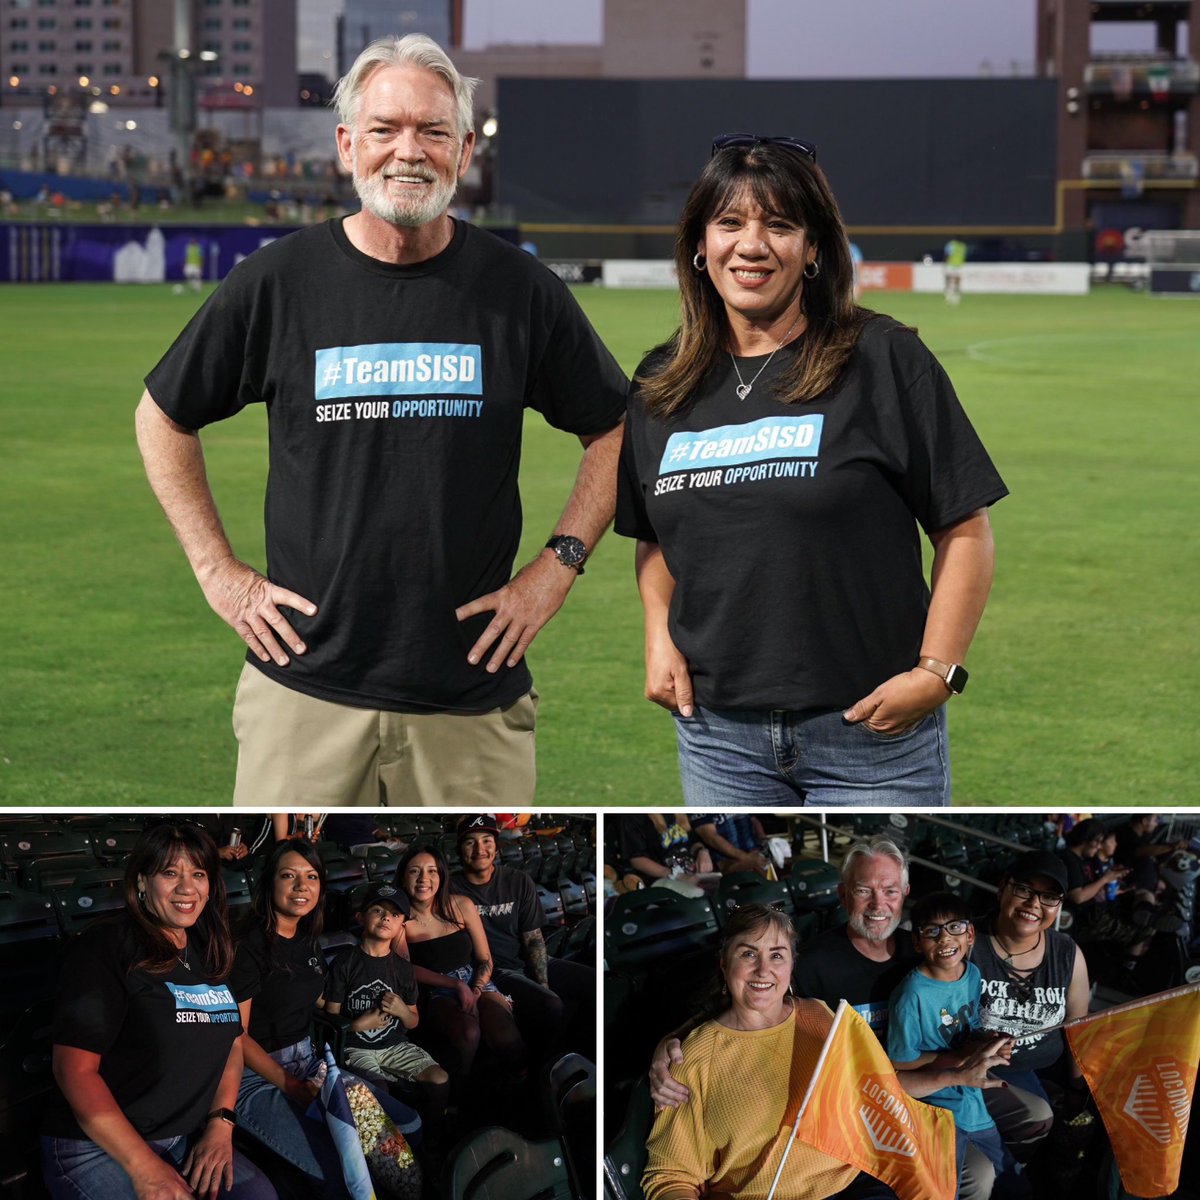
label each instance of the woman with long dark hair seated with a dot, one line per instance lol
(278, 976)
(147, 1040)
(446, 943)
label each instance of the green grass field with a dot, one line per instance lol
(116, 681)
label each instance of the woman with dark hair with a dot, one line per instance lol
(745, 1067)
(446, 943)
(780, 452)
(278, 976)
(147, 1040)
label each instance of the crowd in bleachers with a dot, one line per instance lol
(667, 904)
(525, 1106)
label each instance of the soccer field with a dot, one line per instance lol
(116, 681)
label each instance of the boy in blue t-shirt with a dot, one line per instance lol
(931, 1012)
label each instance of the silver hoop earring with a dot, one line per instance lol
(141, 897)
(815, 269)
(699, 262)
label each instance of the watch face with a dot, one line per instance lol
(956, 679)
(570, 550)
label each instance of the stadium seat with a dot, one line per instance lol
(58, 871)
(381, 862)
(552, 906)
(497, 1164)
(574, 899)
(112, 845)
(238, 891)
(646, 928)
(625, 1158)
(569, 1099)
(512, 853)
(813, 884)
(748, 887)
(24, 845)
(85, 900)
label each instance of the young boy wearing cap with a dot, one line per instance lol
(377, 990)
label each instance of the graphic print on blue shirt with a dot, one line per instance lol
(203, 1003)
(741, 453)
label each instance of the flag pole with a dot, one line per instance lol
(842, 1006)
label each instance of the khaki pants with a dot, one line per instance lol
(296, 751)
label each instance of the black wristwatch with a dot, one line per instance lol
(953, 675)
(225, 1114)
(569, 551)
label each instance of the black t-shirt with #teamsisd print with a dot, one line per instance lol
(396, 400)
(791, 530)
(163, 1040)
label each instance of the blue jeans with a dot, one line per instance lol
(77, 1169)
(766, 757)
(269, 1117)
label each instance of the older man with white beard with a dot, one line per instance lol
(396, 352)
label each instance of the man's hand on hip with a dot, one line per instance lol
(248, 602)
(522, 606)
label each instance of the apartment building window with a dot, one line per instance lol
(83, 47)
(19, 23)
(212, 22)
(47, 68)
(83, 22)
(47, 47)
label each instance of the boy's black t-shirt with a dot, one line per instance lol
(396, 399)
(357, 980)
(284, 977)
(791, 530)
(163, 1041)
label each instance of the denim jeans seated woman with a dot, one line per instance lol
(77, 1169)
(269, 1117)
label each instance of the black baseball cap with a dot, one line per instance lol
(477, 823)
(1039, 862)
(386, 893)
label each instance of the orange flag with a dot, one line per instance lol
(1139, 1060)
(856, 1111)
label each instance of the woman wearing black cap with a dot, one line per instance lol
(1033, 978)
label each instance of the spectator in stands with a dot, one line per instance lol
(1139, 849)
(278, 977)
(1095, 913)
(862, 962)
(955, 254)
(783, 450)
(761, 1035)
(386, 639)
(378, 991)
(445, 941)
(733, 839)
(147, 1093)
(548, 994)
(649, 849)
(1034, 977)
(935, 1009)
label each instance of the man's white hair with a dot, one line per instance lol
(877, 847)
(412, 50)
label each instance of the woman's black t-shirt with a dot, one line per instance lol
(163, 1041)
(791, 530)
(283, 977)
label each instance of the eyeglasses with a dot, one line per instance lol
(953, 928)
(1024, 892)
(725, 140)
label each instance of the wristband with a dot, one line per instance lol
(225, 1114)
(953, 675)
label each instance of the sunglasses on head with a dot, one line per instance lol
(1023, 891)
(725, 140)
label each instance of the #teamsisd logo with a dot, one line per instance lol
(886, 1119)
(1160, 1102)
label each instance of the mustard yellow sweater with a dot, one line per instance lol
(746, 1088)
